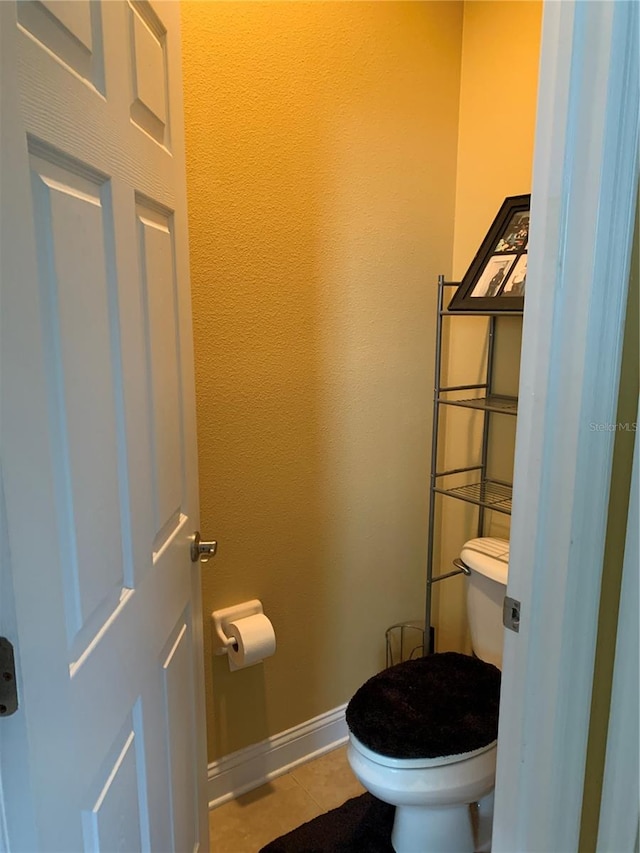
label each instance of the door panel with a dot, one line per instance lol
(177, 683)
(72, 31)
(113, 822)
(148, 65)
(99, 456)
(70, 221)
(162, 337)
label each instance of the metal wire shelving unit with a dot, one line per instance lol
(485, 492)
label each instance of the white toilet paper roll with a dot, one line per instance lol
(254, 638)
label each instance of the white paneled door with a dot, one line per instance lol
(99, 483)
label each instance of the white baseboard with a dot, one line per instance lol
(249, 768)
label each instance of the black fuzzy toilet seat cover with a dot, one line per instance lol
(439, 705)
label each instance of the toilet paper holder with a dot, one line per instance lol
(222, 618)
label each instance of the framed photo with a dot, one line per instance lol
(496, 279)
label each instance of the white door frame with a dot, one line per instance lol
(583, 203)
(619, 811)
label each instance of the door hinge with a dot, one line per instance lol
(8, 687)
(511, 614)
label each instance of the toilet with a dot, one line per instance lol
(423, 733)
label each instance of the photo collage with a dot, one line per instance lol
(505, 273)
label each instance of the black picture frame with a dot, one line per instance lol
(496, 279)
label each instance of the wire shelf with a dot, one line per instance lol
(492, 403)
(487, 493)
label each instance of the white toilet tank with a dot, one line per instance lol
(488, 560)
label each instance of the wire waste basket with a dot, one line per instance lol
(405, 641)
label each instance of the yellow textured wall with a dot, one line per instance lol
(321, 163)
(498, 96)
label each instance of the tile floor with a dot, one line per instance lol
(252, 820)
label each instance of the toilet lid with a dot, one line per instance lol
(440, 705)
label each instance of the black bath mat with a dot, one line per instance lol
(361, 825)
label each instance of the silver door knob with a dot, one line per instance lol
(202, 551)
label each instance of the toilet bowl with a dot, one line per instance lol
(431, 796)
(422, 734)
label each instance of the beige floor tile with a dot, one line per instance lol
(329, 780)
(252, 820)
